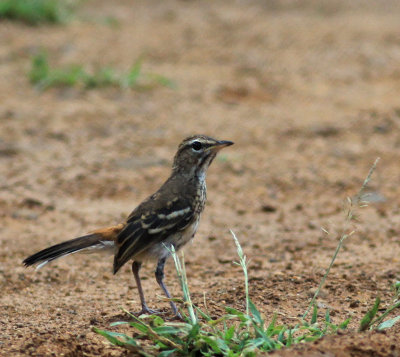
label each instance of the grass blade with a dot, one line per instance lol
(369, 316)
(350, 216)
(243, 264)
(388, 323)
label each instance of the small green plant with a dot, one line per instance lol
(35, 12)
(351, 211)
(371, 320)
(43, 76)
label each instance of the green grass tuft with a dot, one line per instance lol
(35, 12)
(43, 76)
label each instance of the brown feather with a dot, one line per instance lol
(109, 233)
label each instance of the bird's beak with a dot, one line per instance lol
(224, 143)
(221, 144)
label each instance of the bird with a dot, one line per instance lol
(168, 218)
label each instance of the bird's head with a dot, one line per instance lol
(196, 153)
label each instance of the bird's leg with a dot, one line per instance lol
(160, 281)
(135, 270)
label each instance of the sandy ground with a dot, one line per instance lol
(309, 93)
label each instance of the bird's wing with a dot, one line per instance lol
(147, 227)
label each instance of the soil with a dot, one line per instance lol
(309, 93)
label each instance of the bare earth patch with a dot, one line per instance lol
(309, 94)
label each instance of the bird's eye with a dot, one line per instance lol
(196, 145)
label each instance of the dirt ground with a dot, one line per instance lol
(309, 93)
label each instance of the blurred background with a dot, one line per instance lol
(96, 95)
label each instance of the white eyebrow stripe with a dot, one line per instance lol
(204, 142)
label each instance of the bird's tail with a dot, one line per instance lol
(102, 239)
